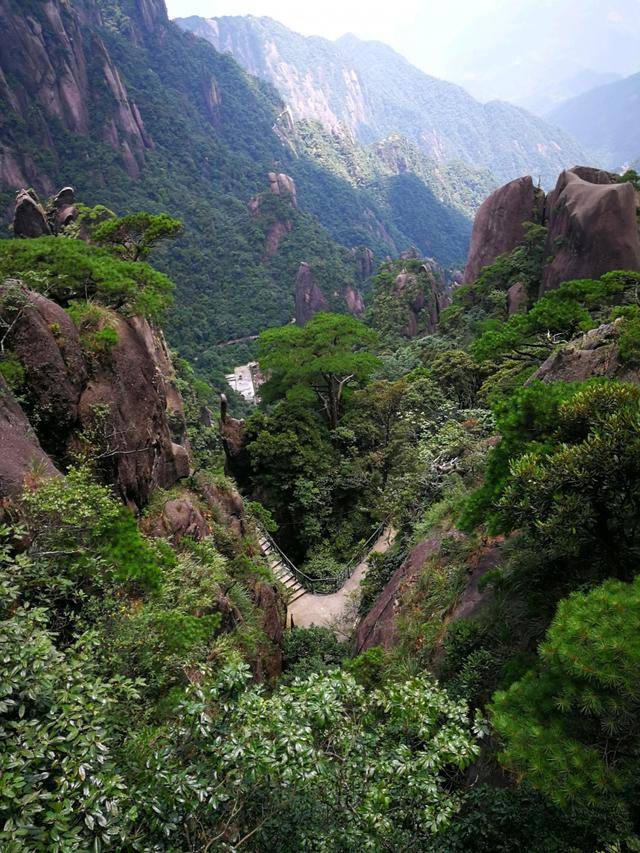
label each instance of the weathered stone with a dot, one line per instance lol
(225, 503)
(309, 299)
(498, 224)
(180, 519)
(30, 218)
(595, 353)
(592, 227)
(268, 663)
(233, 436)
(517, 298)
(64, 205)
(46, 342)
(21, 455)
(364, 258)
(354, 300)
(378, 628)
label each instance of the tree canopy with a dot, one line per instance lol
(327, 355)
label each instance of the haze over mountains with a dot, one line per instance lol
(537, 53)
(373, 91)
(606, 121)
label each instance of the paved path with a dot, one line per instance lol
(339, 610)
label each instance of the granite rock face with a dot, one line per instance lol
(498, 224)
(21, 454)
(592, 227)
(596, 353)
(126, 398)
(309, 299)
(53, 57)
(591, 221)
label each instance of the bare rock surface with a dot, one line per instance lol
(125, 398)
(498, 224)
(596, 353)
(592, 227)
(21, 453)
(309, 299)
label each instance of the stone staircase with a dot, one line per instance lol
(281, 570)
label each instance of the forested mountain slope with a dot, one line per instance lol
(110, 96)
(605, 121)
(375, 92)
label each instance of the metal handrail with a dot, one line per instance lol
(330, 585)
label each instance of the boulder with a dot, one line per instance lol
(64, 206)
(21, 456)
(233, 436)
(225, 503)
(354, 300)
(592, 227)
(517, 298)
(268, 662)
(309, 299)
(364, 260)
(180, 519)
(30, 218)
(47, 343)
(498, 226)
(283, 185)
(595, 353)
(127, 393)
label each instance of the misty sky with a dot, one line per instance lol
(421, 30)
(496, 48)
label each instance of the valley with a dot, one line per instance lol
(319, 443)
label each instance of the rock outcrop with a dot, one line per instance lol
(591, 221)
(124, 401)
(365, 262)
(309, 299)
(53, 59)
(32, 219)
(233, 436)
(21, 455)
(592, 225)
(423, 293)
(378, 628)
(595, 353)
(498, 224)
(284, 187)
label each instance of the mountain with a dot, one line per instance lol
(535, 50)
(605, 120)
(556, 92)
(111, 97)
(374, 92)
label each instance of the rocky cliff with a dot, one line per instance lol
(374, 92)
(123, 402)
(591, 222)
(53, 57)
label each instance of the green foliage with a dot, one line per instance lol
(363, 770)
(68, 269)
(324, 356)
(96, 326)
(60, 788)
(12, 370)
(311, 650)
(566, 474)
(571, 724)
(132, 237)
(368, 668)
(575, 306)
(86, 542)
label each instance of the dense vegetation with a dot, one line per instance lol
(373, 92)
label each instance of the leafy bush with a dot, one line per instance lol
(68, 269)
(571, 724)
